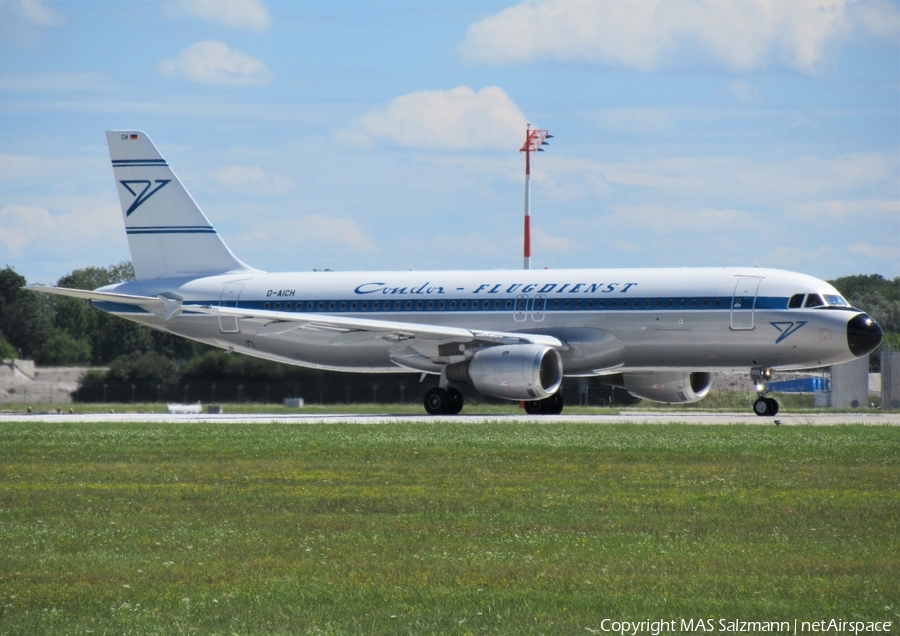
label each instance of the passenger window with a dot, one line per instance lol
(796, 301)
(365, 306)
(462, 305)
(409, 304)
(419, 305)
(452, 304)
(352, 306)
(509, 304)
(277, 306)
(814, 300)
(266, 306)
(331, 306)
(430, 304)
(343, 306)
(496, 304)
(287, 306)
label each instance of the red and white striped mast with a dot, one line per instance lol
(534, 139)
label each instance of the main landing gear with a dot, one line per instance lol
(439, 401)
(763, 406)
(552, 405)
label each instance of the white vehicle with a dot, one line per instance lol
(659, 333)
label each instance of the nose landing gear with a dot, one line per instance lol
(763, 406)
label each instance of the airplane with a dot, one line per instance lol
(658, 333)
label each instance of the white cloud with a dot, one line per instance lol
(25, 228)
(763, 181)
(882, 213)
(473, 243)
(89, 81)
(741, 35)
(22, 22)
(886, 253)
(320, 229)
(663, 219)
(22, 224)
(251, 180)
(743, 91)
(456, 119)
(215, 63)
(235, 14)
(32, 12)
(546, 242)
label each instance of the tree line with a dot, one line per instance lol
(142, 364)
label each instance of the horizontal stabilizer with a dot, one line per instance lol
(160, 306)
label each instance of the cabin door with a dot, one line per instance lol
(743, 303)
(231, 292)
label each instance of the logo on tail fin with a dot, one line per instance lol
(144, 194)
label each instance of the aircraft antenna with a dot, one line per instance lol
(534, 139)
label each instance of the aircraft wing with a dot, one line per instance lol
(349, 330)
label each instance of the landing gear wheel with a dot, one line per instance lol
(438, 401)
(765, 406)
(456, 401)
(553, 405)
(760, 407)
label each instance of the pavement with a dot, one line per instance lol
(640, 417)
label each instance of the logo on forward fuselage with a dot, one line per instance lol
(787, 328)
(144, 194)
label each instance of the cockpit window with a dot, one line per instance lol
(835, 301)
(814, 300)
(796, 301)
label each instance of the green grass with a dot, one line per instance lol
(441, 528)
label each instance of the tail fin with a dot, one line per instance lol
(168, 234)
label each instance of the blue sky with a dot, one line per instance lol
(385, 135)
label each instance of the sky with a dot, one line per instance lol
(385, 135)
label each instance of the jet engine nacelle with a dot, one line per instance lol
(514, 372)
(668, 387)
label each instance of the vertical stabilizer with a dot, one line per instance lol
(168, 234)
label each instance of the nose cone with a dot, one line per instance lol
(863, 335)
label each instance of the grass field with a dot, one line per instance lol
(442, 528)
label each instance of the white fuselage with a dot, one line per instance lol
(612, 320)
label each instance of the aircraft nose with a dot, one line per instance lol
(863, 335)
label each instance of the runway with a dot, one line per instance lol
(635, 417)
